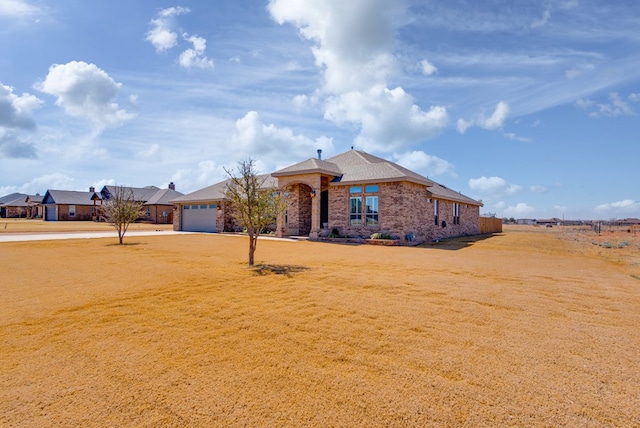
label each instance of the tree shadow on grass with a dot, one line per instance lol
(124, 244)
(288, 270)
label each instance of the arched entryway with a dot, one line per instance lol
(298, 217)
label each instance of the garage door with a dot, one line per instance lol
(51, 213)
(199, 218)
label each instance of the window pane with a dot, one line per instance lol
(355, 210)
(355, 189)
(372, 210)
(186, 207)
(372, 188)
(203, 207)
(194, 207)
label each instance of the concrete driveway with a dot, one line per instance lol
(19, 237)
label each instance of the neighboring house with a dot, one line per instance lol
(159, 209)
(549, 222)
(34, 206)
(353, 193)
(528, 221)
(13, 205)
(207, 210)
(69, 205)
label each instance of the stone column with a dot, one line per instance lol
(315, 208)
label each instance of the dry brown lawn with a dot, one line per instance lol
(532, 327)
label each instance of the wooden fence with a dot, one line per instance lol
(490, 225)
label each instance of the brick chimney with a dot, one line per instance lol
(172, 186)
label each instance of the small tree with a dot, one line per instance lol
(256, 204)
(121, 209)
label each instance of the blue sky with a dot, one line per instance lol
(530, 106)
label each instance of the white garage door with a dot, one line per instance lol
(199, 218)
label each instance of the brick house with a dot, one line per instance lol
(207, 210)
(353, 193)
(157, 208)
(13, 205)
(69, 205)
(358, 194)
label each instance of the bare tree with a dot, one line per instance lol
(256, 203)
(121, 209)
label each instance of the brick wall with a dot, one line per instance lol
(403, 210)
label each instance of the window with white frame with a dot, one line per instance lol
(72, 210)
(456, 213)
(435, 211)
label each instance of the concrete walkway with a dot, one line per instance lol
(20, 237)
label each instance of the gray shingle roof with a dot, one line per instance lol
(216, 192)
(17, 202)
(163, 196)
(308, 166)
(67, 197)
(139, 193)
(355, 166)
(439, 191)
(11, 197)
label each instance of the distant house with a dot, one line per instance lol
(13, 205)
(69, 205)
(529, 221)
(158, 209)
(353, 193)
(34, 206)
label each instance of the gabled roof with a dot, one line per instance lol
(139, 193)
(439, 191)
(11, 197)
(17, 202)
(34, 199)
(216, 192)
(67, 197)
(163, 196)
(312, 165)
(355, 166)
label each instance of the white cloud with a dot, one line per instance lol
(161, 36)
(495, 121)
(353, 45)
(15, 111)
(520, 210)
(195, 58)
(273, 146)
(617, 106)
(546, 15)
(150, 153)
(85, 91)
(536, 188)
(494, 186)
(41, 184)
(388, 118)
(427, 68)
(619, 209)
(16, 8)
(206, 173)
(425, 164)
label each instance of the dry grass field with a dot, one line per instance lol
(531, 327)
